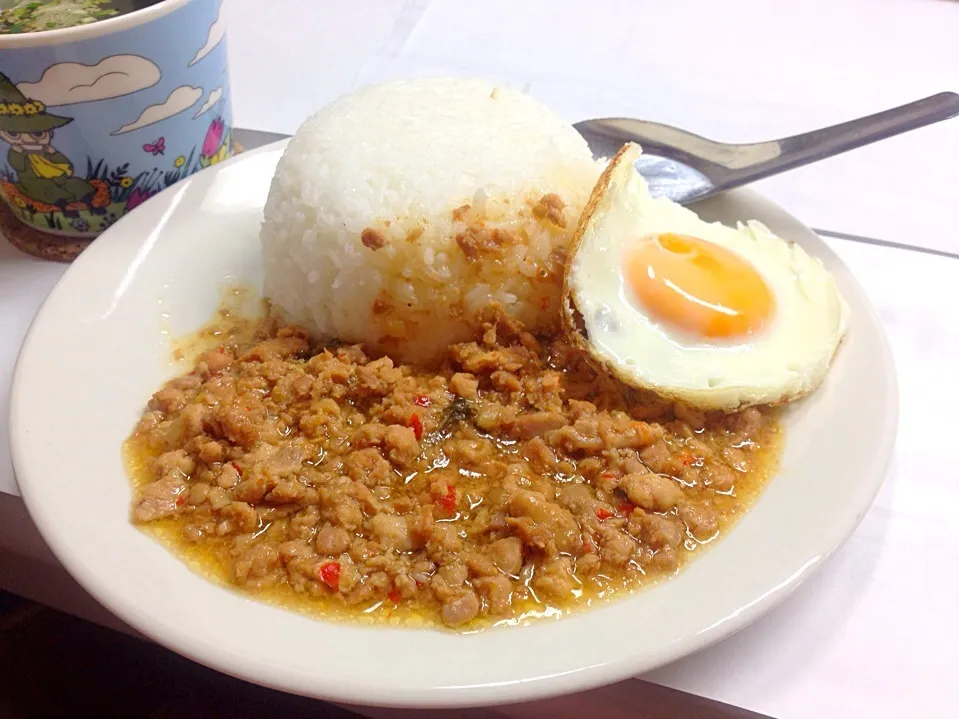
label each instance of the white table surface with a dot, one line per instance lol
(875, 633)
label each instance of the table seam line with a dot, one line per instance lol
(876, 242)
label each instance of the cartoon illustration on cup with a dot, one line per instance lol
(95, 131)
(44, 174)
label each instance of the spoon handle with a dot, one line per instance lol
(808, 147)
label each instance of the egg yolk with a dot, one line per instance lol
(698, 286)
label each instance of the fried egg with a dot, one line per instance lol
(714, 316)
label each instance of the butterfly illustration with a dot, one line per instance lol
(157, 148)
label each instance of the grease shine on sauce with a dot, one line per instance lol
(213, 557)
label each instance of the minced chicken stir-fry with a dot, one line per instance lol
(511, 481)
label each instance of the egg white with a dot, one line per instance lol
(787, 358)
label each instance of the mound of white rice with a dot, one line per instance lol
(399, 212)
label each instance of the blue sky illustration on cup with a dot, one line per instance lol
(94, 120)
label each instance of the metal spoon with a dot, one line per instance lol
(685, 167)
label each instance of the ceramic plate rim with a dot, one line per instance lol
(340, 683)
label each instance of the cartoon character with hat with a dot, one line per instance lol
(43, 174)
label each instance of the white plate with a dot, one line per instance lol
(97, 350)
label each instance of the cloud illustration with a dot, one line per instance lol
(212, 100)
(67, 83)
(183, 98)
(217, 31)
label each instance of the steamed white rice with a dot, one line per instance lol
(425, 171)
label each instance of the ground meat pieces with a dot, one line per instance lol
(455, 573)
(199, 493)
(286, 492)
(373, 238)
(366, 588)
(701, 520)
(367, 500)
(544, 524)
(720, 477)
(404, 586)
(480, 565)
(476, 241)
(621, 432)
(555, 578)
(168, 400)
(509, 476)
(256, 562)
(378, 377)
(461, 610)
(479, 361)
(746, 423)
(541, 455)
(216, 361)
(469, 452)
(506, 381)
(284, 461)
(401, 444)
(445, 539)
(551, 207)
(237, 427)
(654, 492)
(193, 420)
(332, 540)
(587, 565)
(174, 462)
(159, 499)
(498, 593)
(465, 385)
(494, 417)
(296, 549)
(369, 435)
(535, 424)
(581, 500)
(507, 555)
(393, 532)
(368, 466)
(582, 437)
(346, 511)
(218, 498)
(421, 571)
(657, 531)
(251, 490)
(228, 476)
(243, 516)
(211, 452)
(617, 547)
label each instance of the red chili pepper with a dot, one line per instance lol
(590, 547)
(603, 513)
(688, 458)
(236, 467)
(180, 500)
(416, 424)
(422, 400)
(330, 574)
(394, 596)
(625, 508)
(448, 500)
